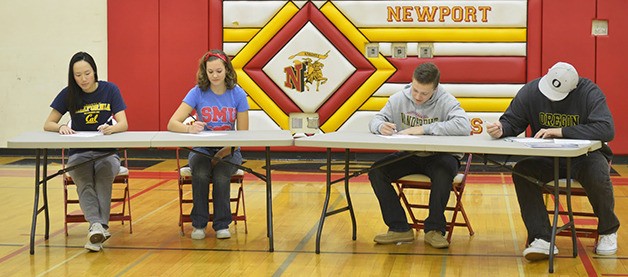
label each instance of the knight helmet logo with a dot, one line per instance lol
(305, 71)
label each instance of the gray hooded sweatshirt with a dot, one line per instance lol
(441, 115)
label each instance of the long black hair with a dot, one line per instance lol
(75, 93)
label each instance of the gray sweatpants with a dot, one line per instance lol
(94, 184)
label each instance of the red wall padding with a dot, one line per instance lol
(611, 63)
(567, 35)
(183, 39)
(534, 41)
(133, 51)
(482, 70)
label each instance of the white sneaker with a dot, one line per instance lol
(107, 235)
(607, 245)
(93, 247)
(96, 233)
(223, 234)
(538, 250)
(198, 234)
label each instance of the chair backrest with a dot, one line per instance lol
(467, 168)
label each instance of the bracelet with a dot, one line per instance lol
(62, 126)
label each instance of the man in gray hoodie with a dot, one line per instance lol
(421, 108)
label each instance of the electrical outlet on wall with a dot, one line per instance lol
(599, 27)
(426, 50)
(303, 123)
(372, 50)
(399, 50)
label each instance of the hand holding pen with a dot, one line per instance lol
(195, 126)
(107, 128)
(494, 129)
(388, 128)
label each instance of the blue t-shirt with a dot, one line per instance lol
(218, 111)
(97, 107)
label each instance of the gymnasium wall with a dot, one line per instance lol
(37, 39)
(150, 48)
(486, 51)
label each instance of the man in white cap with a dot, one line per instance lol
(562, 105)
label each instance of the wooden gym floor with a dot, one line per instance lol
(156, 246)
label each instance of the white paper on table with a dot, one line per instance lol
(205, 134)
(399, 136)
(528, 140)
(572, 141)
(84, 134)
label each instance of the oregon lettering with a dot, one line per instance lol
(557, 120)
(411, 120)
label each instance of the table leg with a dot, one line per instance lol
(45, 194)
(36, 202)
(348, 195)
(556, 214)
(269, 203)
(325, 204)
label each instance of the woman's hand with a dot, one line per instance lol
(196, 127)
(64, 129)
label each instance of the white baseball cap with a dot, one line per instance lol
(561, 79)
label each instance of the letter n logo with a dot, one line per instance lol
(294, 77)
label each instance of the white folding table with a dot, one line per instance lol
(453, 144)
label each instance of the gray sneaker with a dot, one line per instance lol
(96, 233)
(395, 237)
(436, 239)
(107, 235)
(93, 247)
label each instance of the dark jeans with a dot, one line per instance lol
(220, 176)
(441, 168)
(590, 170)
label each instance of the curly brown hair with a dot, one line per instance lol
(231, 79)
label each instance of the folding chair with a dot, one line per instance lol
(585, 220)
(120, 197)
(423, 182)
(185, 188)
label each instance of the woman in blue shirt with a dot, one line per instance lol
(219, 104)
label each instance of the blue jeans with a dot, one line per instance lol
(441, 168)
(590, 170)
(220, 175)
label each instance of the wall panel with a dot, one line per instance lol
(611, 61)
(567, 35)
(183, 39)
(133, 51)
